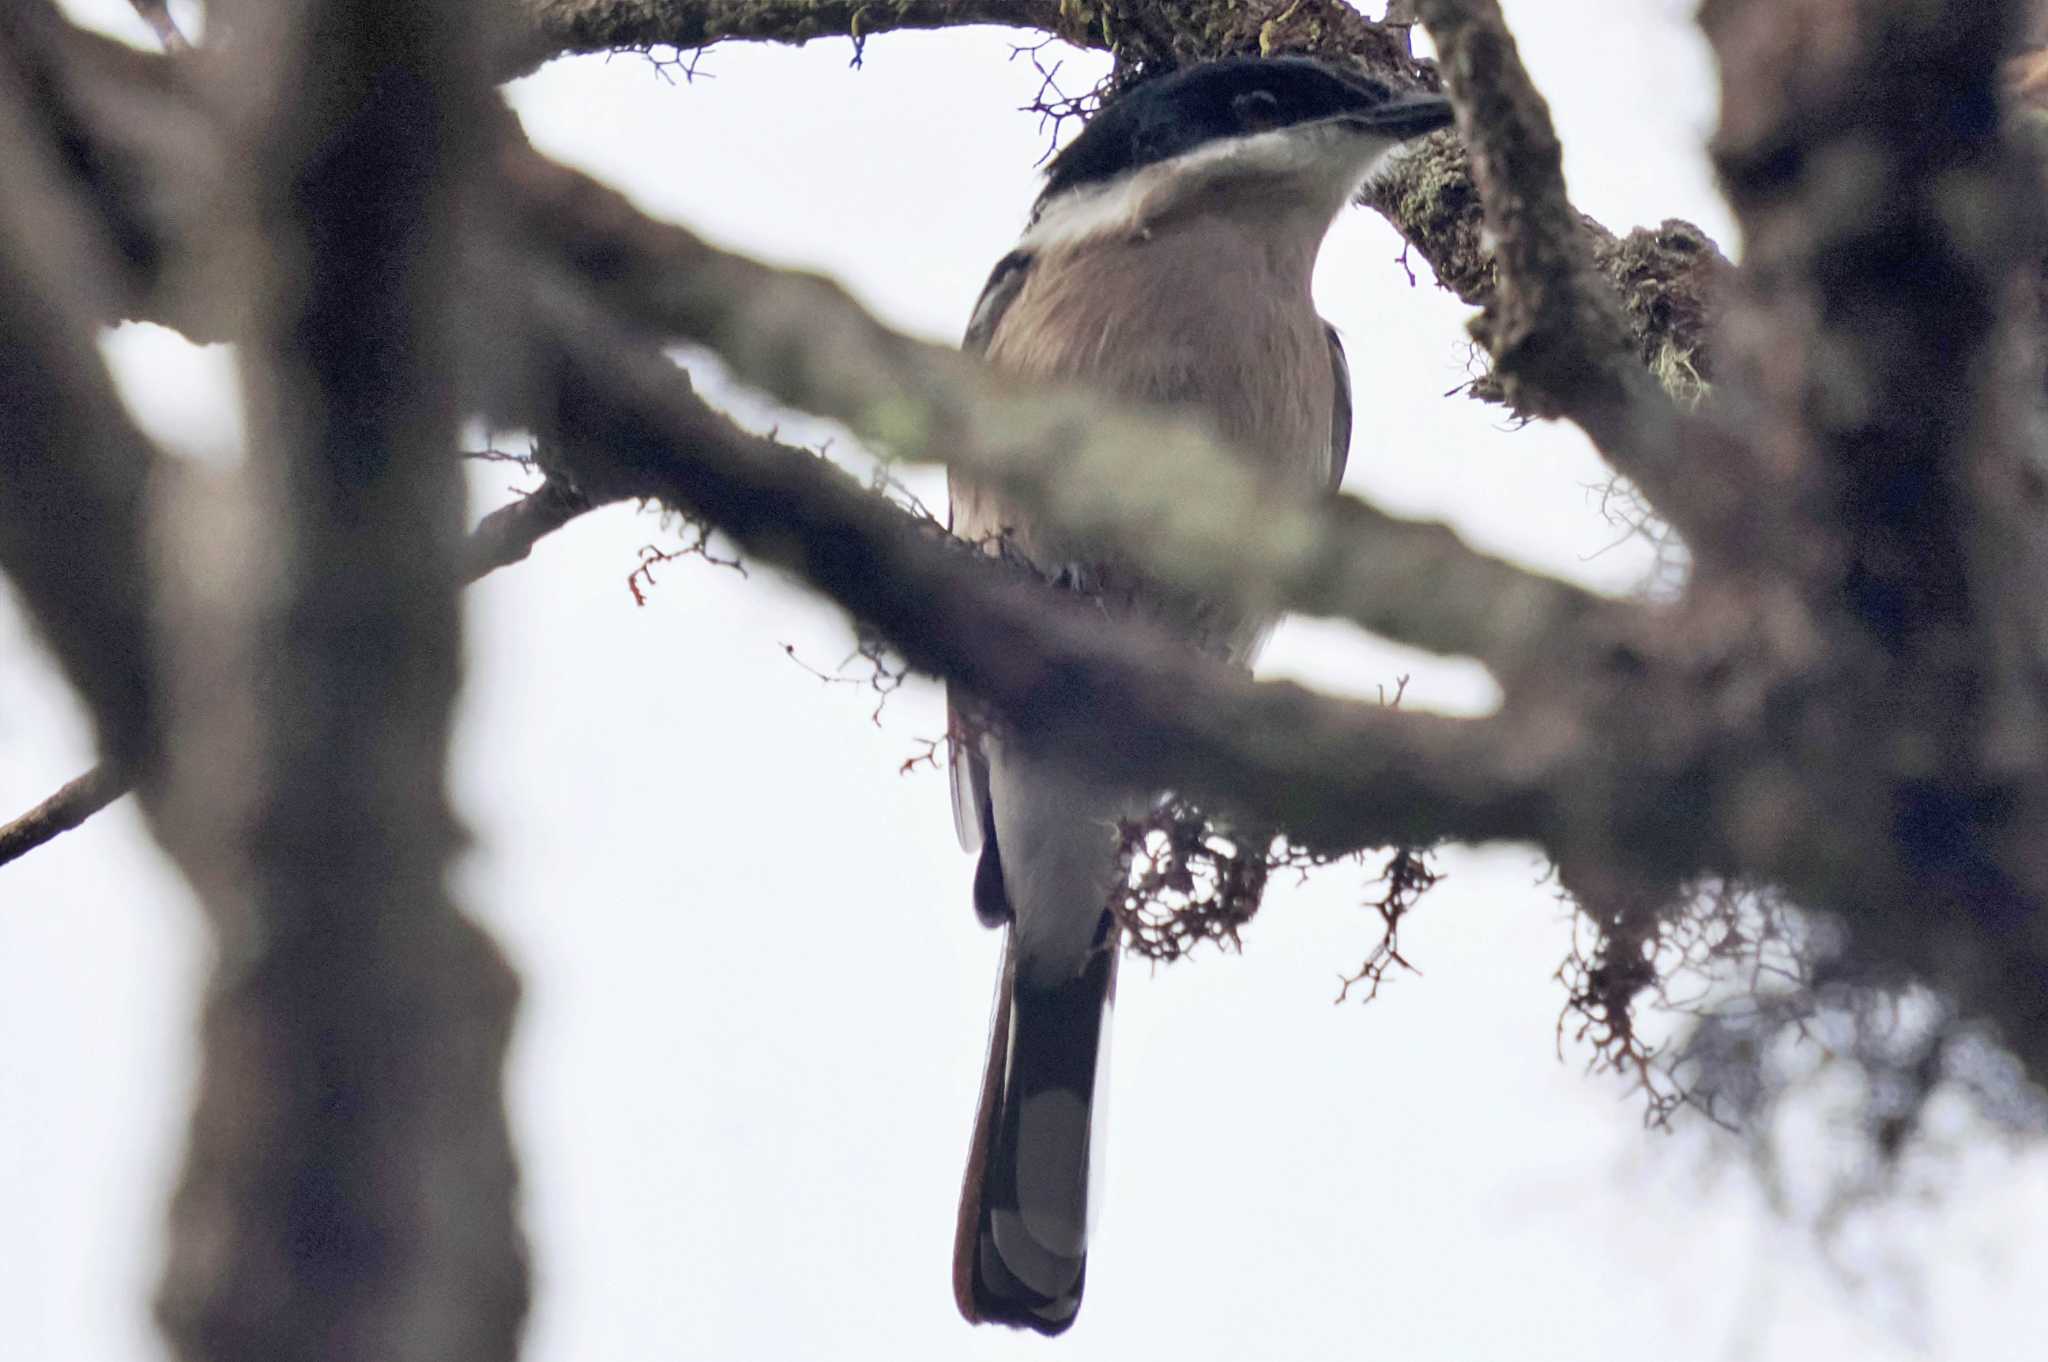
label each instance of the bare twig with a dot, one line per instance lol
(73, 803)
(502, 538)
(1409, 873)
(157, 14)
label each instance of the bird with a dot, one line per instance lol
(1166, 262)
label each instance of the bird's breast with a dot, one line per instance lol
(1202, 317)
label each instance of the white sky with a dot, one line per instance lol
(756, 995)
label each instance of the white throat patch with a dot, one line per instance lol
(1315, 166)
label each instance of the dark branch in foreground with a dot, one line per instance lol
(806, 340)
(349, 1184)
(1335, 774)
(75, 471)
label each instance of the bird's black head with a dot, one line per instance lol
(1234, 98)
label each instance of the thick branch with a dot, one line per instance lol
(1664, 273)
(1120, 696)
(1889, 229)
(1670, 278)
(1147, 35)
(926, 400)
(556, 28)
(1121, 475)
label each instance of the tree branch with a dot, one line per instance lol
(1121, 697)
(1890, 229)
(157, 14)
(806, 339)
(1560, 344)
(73, 803)
(813, 343)
(1667, 276)
(1670, 278)
(555, 28)
(1125, 477)
(508, 534)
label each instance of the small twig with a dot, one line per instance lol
(157, 14)
(1053, 105)
(71, 805)
(1402, 261)
(926, 757)
(505, 536)
(886, 675)
(1407, 875)
(640, 581)
(679, 60)
(492, 454)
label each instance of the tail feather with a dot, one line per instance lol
(1021, 1249)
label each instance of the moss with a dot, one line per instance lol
(1677, 371)
(1669, 279)
(1150, 37)
(1428, 194)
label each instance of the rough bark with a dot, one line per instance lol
(554, 28)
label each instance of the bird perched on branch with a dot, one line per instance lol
(1167, 262)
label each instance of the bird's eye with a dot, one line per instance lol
(1257, 110)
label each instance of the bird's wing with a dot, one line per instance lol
(969, 765)
(1005, 281)
(1340, 415)
(1020, 1251)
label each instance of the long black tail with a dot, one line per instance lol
(1021, 1252)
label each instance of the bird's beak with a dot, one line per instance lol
(1405, 115)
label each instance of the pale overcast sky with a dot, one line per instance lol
(756, 996)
